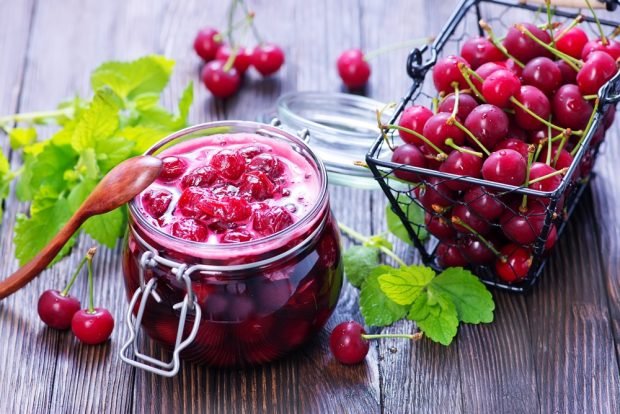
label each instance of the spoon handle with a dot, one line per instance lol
(28, 272)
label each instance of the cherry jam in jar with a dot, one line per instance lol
(238, 224)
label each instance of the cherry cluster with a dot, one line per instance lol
(59, 310)
(514, 112)
(227, 63)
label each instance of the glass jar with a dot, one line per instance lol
(231, 304)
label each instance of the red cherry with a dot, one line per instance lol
(353, 69)
(408, 154)
(267, 163)
(267, 59)
(92, 328)
(485, 70)
(439, 226)
(270, 220)
(461, 163)
(467, 103)
(488, 123)
(543, 73)
(515, 265)
(514, 144)
(450, 256)
(219, 82)
(446, 71)
(595, 72)
(347, 344)
(257, 185)
(438, 128)
(56, 310)
(522, 47)
(172, 168)
(156, 202)
(476, 251)
(537, 102)
(434, 194)
(228, 163)
(243, 58)
(500, 86)
(189, 229)
(569, 75)
(199, 177)
(612, 48)
(484, 203)
(471, 219)
(480, 50)
(572, 42)
(206, 43)
(564, 159)
(414, 118)
(570, 110)
(523, 227)
(505, 166)
(540, 169)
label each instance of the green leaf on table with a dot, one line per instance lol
(107, 228)
(98, 122)
(21, 137)
(48, 213)
(79, 192)
(472, 300)
(6, 176)
(414, 214)
(185, 103)
(142, 137)
(376, 308)
(112, 151)
(49, 168)
(404, 285)
(359, 261)
(129, 80)
(436, 316)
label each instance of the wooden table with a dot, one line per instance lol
(554, 350)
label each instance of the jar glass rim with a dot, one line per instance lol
(232, 127)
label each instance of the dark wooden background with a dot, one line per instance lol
(554, 350)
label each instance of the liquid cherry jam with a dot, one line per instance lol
(250, 206)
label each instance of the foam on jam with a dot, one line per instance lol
(230, 188)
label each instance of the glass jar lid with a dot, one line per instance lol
(341, 129)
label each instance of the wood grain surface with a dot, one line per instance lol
(555, 350)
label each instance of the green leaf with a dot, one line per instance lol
(129, 80)
(98, 122)
(49, 167)
(21, 137)
(359, 261)
(435, 316)
(112, 151)
(414, 214)
(48, 213)
(379, 241)
(473, 302)
(185, 102)
(376, 308)
(107, 228)
(79, 192)
(142, 137)
(404, 285)
(87, 164)
(6, 176)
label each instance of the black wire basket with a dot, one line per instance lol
(558, 205)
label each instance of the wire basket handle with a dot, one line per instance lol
(578, 4)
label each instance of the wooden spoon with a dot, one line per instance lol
(118, 187)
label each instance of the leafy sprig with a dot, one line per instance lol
(122, 119)
(437, 303)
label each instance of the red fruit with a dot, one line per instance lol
(476, 251)
(523, 227)
(467, 103)
(564, 159)
(488, 123)
(471, 219)
(612, 48)
(540, 169)
(206, 43)
(189, 229)
(570, 110)
(434, 195)
(480, 50)
(542, 73)
(515, 265)
(446, 71)
(439, 226)
(236, 237)
(228, 163)
(267, 59)
(408, 154)
(199, 177)
(438, 128)
(483, 203)
(572, 42)
(271, 220)
(536, 101)
(552, 238)
(484, 71)
(569, 75)
(353, 69)
(522, 47)
(189, 200)
(268, 164)
(92, 328)
(347, 344)
(514, 144)
(461, 163)
(219, 82)
(156, 202)
(172, 168)
(505, 166)
(243, 57)
(226, 209)
(56, 310)
(257, 185)
(414, 118)
(500, 86)
(450, 256)
(595, 72)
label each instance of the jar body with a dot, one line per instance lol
(249, 316)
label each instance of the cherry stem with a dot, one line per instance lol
(549, 22)
(604, 40)
(485, 26)
(450, 142)
(462, 127)
(255, 32)
(65, 292)
(553, 174)
(571, 61)
(364, 240)
(231, 59)
(560, 148)
(414, 337)
(466, 72)
(572, 24)
(534, 115)
(530, 159)
(396, 46)
(549, 147)
(379, 113)
(246, 20)
(589, 97)
(587, 128)
(615, 33)
(35, 116)
(457, 220)
(455, 109)
(89, 260)
(440, 153)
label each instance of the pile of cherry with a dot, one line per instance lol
(512, 111)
